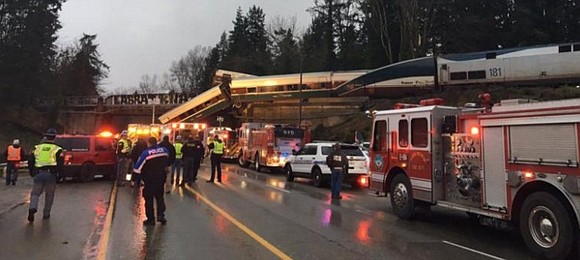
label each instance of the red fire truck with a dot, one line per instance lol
(269, 145)
(516, 164)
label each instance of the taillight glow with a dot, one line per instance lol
(529, 175)
(106, 134)
(362, 181)
(474, 130)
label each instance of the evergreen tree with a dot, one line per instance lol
(27, 35)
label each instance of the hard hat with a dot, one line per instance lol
(124, 133)
(178, 137)
(16, 142)
(51, 132)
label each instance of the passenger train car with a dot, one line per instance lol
(555, 64)
(549, 64)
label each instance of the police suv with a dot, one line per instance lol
(310, 162)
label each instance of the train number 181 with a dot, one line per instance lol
(495, 72)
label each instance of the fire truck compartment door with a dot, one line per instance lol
(494, 173)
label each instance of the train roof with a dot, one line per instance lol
(509, 52)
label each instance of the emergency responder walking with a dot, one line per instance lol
(338, 164)
(45, 165)
(176, 168)
(171, 149)
(13, 154)
(138, 148)
(217, 150)
(123, 158)
(152, 166)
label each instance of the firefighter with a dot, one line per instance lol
(338, 164)
(177, 166)
(45, 165)
(217, 150)
(13, 154)
(152, 166)
(123, 158)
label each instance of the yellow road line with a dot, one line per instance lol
(104, 240)
(241, 226)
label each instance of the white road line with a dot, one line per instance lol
(473, 250)
(276, 188)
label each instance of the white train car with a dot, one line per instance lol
(550, 64)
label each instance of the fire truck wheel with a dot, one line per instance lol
(546, 226)
(87, 172)
(257, 166)
(402, 197)
(242, 162)
(288, 173)
(317, 178)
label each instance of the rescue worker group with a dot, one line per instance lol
(149, 163)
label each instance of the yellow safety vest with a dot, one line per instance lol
(218, 148)
(14, 154)
(45, 154)
(178, 154)
(126, 147)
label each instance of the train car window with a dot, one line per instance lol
(490, 55)
(419, 132)
(476, 74)
(380, 135)
(252, 90)
(458, 75)
(576, 47)
(565, 48)
(403, 133)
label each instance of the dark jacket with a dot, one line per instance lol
(193, 150)
(139, 147)
(171, 149)
(337, 160)
(152, 162)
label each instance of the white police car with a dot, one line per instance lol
(310, 162)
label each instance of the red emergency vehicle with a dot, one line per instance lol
(516, 164)
(269, 145)
(230, 139)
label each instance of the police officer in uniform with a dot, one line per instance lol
(217, 151)
(123, 157)
(45, 165)
(152, 165)
(192, 155)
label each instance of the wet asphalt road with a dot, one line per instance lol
(294, 219)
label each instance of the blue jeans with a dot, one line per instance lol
(336, 178)
(45, 182)
(177, 167)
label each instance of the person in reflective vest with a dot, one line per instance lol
(13, 154)
(123, 158)
(217, 151)
(176, 167)
(151, 165)
(45, 165)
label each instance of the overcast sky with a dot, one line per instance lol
(138, 37)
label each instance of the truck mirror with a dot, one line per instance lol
(449, 124)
